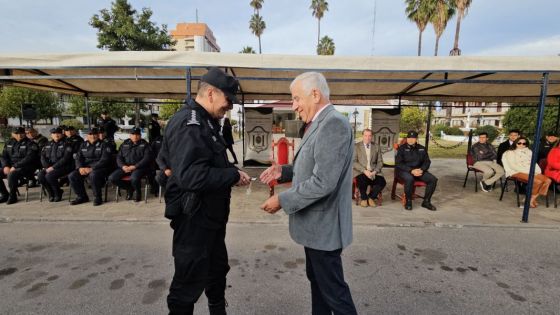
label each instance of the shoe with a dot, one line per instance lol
(12, 199)
(484, 187)
(408, 205)
(79, 200)
(363, 203)
(138, 198)
(97, 202)
(428, 205)
(3, 198)
(58, 196)
(129, 194)
(372, 203)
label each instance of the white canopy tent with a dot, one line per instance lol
(175, 74)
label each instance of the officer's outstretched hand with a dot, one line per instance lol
(272, 173)
(244, 178)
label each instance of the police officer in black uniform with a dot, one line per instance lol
(57, 161)
(154, 128)
(20, 160)
(135, 159)
(108, 124)
(549, 142)
(198, 195)
(92, 160)
(412, 162)
(72, 137)
(109, 142)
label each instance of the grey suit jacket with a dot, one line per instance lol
(319, 203)
(360, 159)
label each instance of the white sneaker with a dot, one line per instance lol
(483, 187)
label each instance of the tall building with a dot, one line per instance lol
(194, 37)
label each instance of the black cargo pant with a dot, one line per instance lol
(201, 264)
(429, 179)
(14, 178)
(97, 179)
(50, 180)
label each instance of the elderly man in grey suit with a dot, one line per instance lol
(319, 203)
(368, 162)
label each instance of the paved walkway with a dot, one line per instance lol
(457, 206)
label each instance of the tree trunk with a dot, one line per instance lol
(457, 30)
(318, 31)
(419, 43)
(437, 45)
(260, 51)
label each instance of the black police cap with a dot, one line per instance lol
(18, 130)
(93, 131)
(136, 131)
(56, 130)
(412, 134)
(223, 81)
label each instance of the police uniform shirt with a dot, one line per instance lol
(95, 155)
(138, 154)
(56, 154)
(411, 157)
(20, 154)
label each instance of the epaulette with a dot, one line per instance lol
(193, 118)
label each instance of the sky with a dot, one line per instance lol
(491, 27)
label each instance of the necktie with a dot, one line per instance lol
(367, 145)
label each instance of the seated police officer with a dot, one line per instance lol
(412, 163)
(72, 136)
(19, 162)
(92, 160)
(135, 159)
(57, 162)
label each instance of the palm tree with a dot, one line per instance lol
(444, 11)
(319, 8)
(256, 5)
(325, 46)
(462, 7)
(247, 50)
(419, 12)
(257, 27)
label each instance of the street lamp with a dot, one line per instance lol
(239, 113)
(355, 114)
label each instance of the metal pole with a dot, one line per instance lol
(429, 125)
(243, 125)
(189, 83)
(469, 145)
(88, 118)
(137, 114)
(534, 158)
(557, 118)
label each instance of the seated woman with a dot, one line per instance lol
(552, 169)
(517, 162)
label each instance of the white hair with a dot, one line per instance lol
(312, 80)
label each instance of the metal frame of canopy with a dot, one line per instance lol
(408, 92)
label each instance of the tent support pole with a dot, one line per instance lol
(189, 79)
(242, 122)
(534, 158)
(557, 118)
(88, 118)
(428, 125)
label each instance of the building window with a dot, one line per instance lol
(499, 107)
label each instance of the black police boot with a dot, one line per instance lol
(58, 195)
(12, 199)
(97, 201)
(428, 205)
(129, 193)
(79, 200)
(408, 205)
(138, 195)
(218, 308)
(4, 197)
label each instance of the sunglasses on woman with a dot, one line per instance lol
(521, 143)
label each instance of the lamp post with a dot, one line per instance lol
(239, 113)
(355, 114)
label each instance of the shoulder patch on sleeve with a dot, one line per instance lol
(193, 118)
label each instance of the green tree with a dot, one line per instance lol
(319, 7)
(123, 28)
(73, 122)
(326, 46)
(444, 11)
(247, 50)
(45, 103)
(419, 12)
(114, 106)
(462, 8)
(525, 119)
(167, 110)
(257, 26)
(256, 5)
(413, 118)
(490, 130)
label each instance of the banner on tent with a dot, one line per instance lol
(258, 136)
(385, 126)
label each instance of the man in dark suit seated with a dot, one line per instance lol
(412, 163)
(368, 162)
(135, 159)
(506, 145)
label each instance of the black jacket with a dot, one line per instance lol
(57, 154)
(96, 155)
(411, 157)
(110, 126)
(75, 142)
(502, 148)
(483, 152)
(155, 130)
(545, 148)
(138, 154)
(22, 154)
(196, 153)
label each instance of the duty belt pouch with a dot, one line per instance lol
(190, 203)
